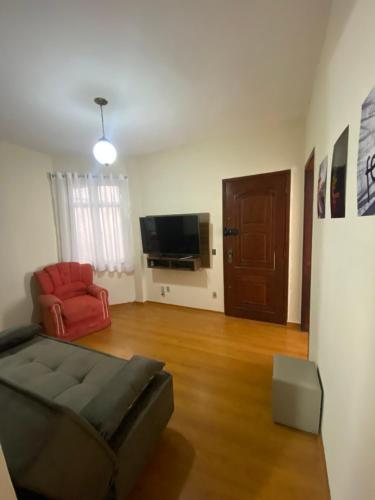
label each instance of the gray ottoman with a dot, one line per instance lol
(296, 393)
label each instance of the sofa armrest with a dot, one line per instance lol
(98, 292)
(50, 449)
(47, 301)
(16, 335)
(108, 408)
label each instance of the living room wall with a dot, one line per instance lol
(342, 339)
(29, 234)
(189, 179)
(28, 239)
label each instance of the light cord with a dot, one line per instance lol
(101, 112)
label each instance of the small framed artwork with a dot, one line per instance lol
(366, 158)
(338, 175)
(322, 188)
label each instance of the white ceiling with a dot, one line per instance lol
(174, 71)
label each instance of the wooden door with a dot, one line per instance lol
(256, 246)
(307, 243)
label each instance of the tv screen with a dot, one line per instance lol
(171, 235)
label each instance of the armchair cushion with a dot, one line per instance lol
(16, 335)
(70, 290)
(55, 276)
(81, 308)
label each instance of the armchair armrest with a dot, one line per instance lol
(101, 294)
(52, 316)
(97, 291)
(48, 301)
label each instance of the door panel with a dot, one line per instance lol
(256, 222)
(253, 217)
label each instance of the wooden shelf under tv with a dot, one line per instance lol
(177, 263)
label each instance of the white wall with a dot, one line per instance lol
(342, 339)
(189, 179)
(28, 238)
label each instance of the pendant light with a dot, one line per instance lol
(104, 152)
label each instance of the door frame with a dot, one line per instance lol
(287, 174)
(308, 216)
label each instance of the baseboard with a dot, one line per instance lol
(324, 464)
(181, 307)
(290, 324)
(293, 326)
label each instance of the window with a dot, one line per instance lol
(93, 220)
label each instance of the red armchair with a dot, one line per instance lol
(72, 305)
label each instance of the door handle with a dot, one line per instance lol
(231, 231)
(230, 256)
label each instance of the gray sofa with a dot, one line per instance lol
(76, 423)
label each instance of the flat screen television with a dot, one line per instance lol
(171, 235)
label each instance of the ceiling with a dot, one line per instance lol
(174, 71)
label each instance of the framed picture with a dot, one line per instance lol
(322, 188)
(338, 175)
(366, 158)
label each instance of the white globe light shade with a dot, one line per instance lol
(105, 152)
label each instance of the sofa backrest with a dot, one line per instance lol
(65, 279)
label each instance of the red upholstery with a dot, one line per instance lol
(72, 305)
(70, 290)
(80, 308)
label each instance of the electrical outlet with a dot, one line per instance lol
(167, 289)
(214, 251)
(214, 295)
(162, 289)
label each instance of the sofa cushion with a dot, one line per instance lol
(81, 308)
(70, 290)
(68, 374)
(108, 408)
(16, 335)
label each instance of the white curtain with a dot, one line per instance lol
(93, 220)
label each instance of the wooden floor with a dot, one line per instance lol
(221, 443)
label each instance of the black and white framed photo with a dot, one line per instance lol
(366, 158)
(338, 175)
(322, 188)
